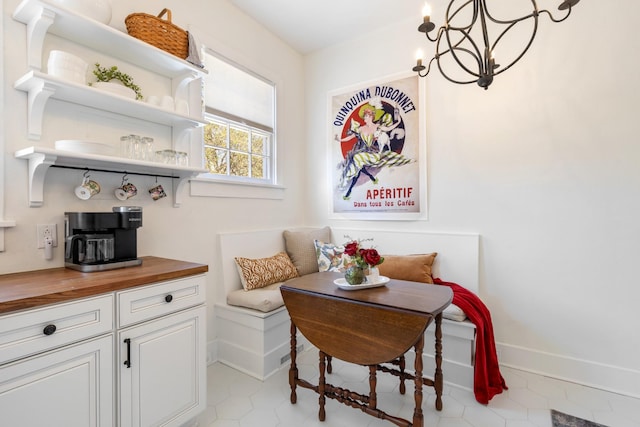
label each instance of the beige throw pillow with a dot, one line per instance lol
(261, 272)
(416, 268)
(301, 250)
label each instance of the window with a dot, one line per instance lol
(240, 111)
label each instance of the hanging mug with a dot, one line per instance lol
(126, 190)
(157, 192)
(87, 189)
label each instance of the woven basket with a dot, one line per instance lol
(159, 32)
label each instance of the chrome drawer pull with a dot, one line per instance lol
(49, 329)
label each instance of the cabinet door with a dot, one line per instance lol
(162, 365)
(68, 387)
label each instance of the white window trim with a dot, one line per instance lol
(209, 185)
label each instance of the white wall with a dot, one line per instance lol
(188, 232)
(544, 165)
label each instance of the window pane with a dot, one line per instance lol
(238, 139)
(239, 164)
(215, 134)
(257, 166)
(216, 160)
(258, 143)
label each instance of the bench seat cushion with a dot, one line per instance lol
(264, 299)
(453, 312)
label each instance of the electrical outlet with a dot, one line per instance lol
(47, 230)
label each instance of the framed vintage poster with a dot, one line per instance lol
(377, 150)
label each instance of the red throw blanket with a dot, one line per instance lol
(487, 380)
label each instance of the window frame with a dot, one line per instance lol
(271, 158)
(213, 116)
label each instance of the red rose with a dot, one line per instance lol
(351, 248)
(370, 256)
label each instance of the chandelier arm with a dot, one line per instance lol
(440, 31)
(428, 67)
(448, 17)
(477, 55)
(444, 74)
(533, 36)
(511, 21)
(554, 19)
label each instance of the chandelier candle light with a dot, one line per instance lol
(466, 19)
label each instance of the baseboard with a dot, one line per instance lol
(605, 377)
(212, 352)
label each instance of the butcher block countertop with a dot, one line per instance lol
(32, 289)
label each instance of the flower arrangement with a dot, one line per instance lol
(360, 256)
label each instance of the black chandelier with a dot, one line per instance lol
(455, 44)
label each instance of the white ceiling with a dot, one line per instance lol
(309, 25)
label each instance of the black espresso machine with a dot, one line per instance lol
(97, 241)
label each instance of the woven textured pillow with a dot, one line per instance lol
(330, 257)
(299, 245)
(416, 268)
(261, 272)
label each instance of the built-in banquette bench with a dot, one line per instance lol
(256, 340)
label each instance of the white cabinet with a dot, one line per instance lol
(162, 367)
(69, 387)
(140, 350)
(57, 365)
(162, 353)
(43, 17)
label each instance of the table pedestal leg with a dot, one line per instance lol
(293, 369)
(438, 377)
(418, 417)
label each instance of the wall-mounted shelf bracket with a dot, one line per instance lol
(37, 29)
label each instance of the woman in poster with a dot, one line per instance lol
(372, 147)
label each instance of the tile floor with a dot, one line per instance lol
(238, 400)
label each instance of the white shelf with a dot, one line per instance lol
(40, 87)
(40, 159)
(42, 17)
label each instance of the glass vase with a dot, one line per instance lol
(354, 275)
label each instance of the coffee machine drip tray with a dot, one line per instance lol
(88, 268)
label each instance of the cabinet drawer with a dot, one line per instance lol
(157, 300)
(25, 333)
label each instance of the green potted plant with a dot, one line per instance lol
(106, 75)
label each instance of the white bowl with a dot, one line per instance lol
(66, 59)
(67, 66)
(116, 89)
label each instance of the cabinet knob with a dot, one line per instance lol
(168, 298)
(49, 329)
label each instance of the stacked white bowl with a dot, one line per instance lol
(67, 66)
